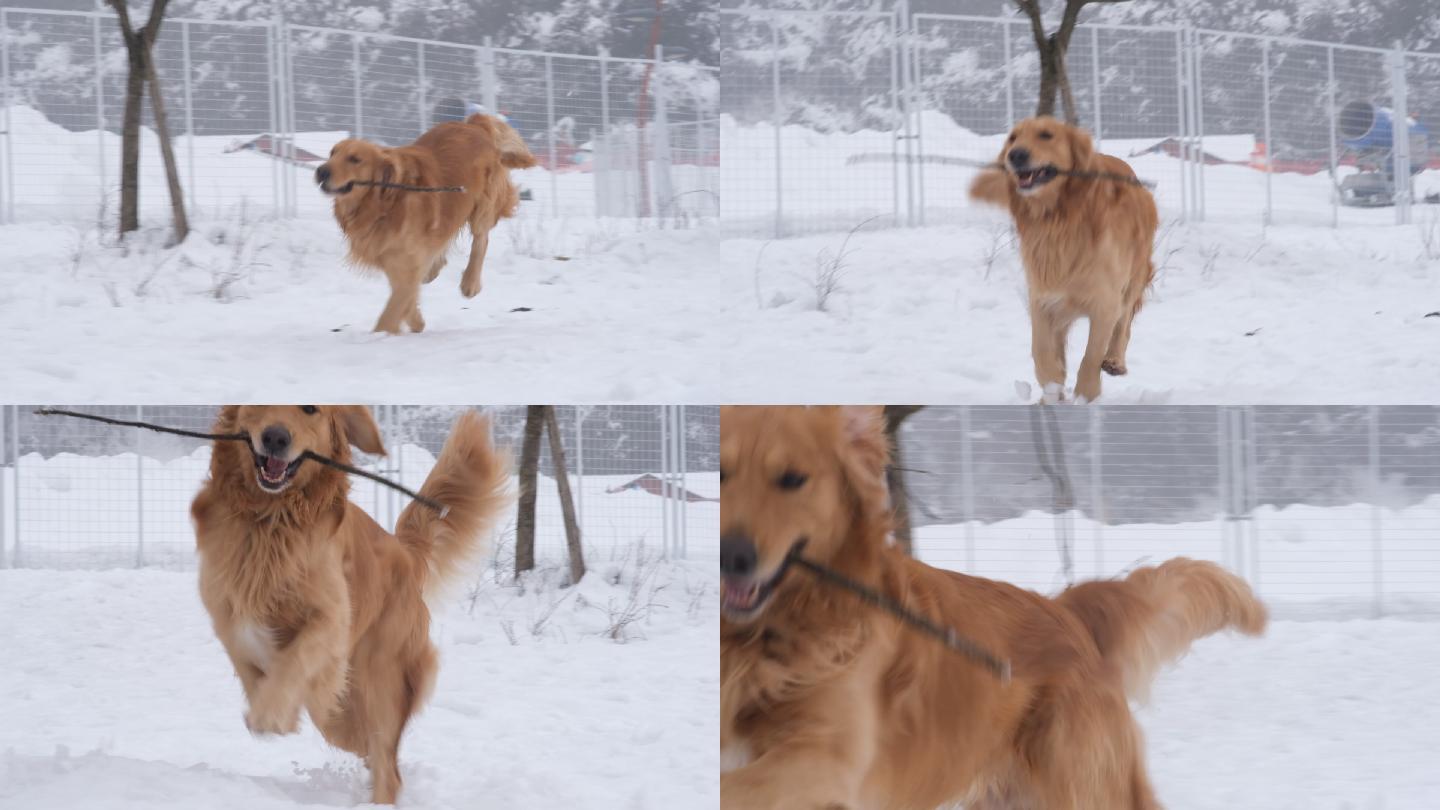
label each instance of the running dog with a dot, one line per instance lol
(404, 232)
(316, 605)
(827, 703)
(1087, 228)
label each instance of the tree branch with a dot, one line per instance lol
(157, 16)
(1031, 8)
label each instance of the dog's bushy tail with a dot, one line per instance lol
(472, 479)
(514, 153)
(1151, 617)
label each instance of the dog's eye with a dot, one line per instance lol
(1011, 139)
(353, 159)
(309, 409)
(1045, 135)
(792, 480)
(723, 476)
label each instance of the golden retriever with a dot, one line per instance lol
(1085, 242)
(316, 605)
(828, 703)
(405, 234)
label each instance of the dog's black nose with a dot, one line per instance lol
(737, 555)
(322, 174)
(276, 440)
(1019, 156)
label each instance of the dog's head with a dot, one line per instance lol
(792, 477)
(278, 437)
(353, 159)
(1040, 151)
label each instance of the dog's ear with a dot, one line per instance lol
(360, 429)
(1082, 148)
(864, 455)
(391, 171)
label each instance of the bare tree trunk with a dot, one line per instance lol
(130, 144)
(167, 152)
(567, 503)
(138, 45)
(529, 472)
(1054, 50)
(895, 416)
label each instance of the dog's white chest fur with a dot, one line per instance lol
(255, 643)
(736, 755)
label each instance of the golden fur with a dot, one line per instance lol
(405, 234)
(1086, 245)
(828, 703)
(316, 605)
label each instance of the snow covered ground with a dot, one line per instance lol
(115, 694)
(1237, 315)
(572, 310)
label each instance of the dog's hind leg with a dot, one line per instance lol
(404, 300)
(390, 704)
(479, 243)
(1088, 756)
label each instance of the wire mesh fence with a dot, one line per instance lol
(78, 494)
(254, 107)
(1325, 510)
(1227, 126)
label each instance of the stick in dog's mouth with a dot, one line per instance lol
(1031, 179)
(273, 473)
(337, 192)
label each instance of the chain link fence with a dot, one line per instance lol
(831, 120)
(78, 494)
(1325, 510)
(254, 107)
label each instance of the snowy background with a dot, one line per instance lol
(603, 694)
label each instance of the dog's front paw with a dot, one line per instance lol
(271, 714)
(1114, 368)
(470, 287)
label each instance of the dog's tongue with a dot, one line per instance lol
(275, 467)
(737, 595)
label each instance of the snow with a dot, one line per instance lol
(116, 694)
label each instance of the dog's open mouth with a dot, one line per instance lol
(1031, 179)
(341, 190)
(274, 473)
(743, 597)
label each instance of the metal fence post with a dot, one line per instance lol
(1269, 147)
(1401, 137)
(1009, 75)
(1222, 482)
(1378, 568)
(918, 106)
(967, 488)
(1095, 84)
(139, 489)
(7, 181)
(489, 88)
(779, 122)
(1252, 487)
(550, 124)
(288, 66)
(660, 179)
(895, 137)
(1097, 486)
(17, 560)
(357, 91)
(99, 102)
(682, 446)
(4, 458)
(189, 109)
(665, 479)
(1330, 117)
(1180, 109)
(1198, 99)
(420, 88)
(274, 85)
